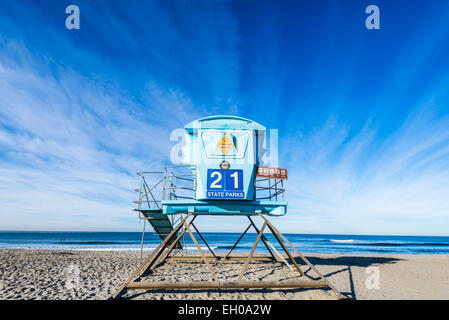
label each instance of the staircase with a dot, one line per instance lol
(160, 223)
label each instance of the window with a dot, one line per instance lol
(225, 144)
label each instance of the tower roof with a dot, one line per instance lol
(224, 122)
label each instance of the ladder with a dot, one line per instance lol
(161, 224)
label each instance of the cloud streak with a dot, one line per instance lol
(363, 130)
(360, 185)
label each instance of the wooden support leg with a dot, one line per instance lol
(264, 240)
(169, 250)
(150, 259)
(143, 238)
(235, 244)
(242, 273)
(286, 251)
(164, 249)
(304, 258)
(204, 241)
(280, 256)
(201, 251)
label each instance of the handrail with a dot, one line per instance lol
(174, 186)
(272, 190)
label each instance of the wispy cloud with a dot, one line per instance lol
(363, 184)
(363, 130)
(71, 143)
(70, 147)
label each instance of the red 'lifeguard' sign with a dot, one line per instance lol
(273, 173)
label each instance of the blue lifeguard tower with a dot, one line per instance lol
(222, 174)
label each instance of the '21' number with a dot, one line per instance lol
(215, 184)
(219, 180)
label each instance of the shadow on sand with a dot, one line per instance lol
(353, 261)
(344, 261)
(347, 262)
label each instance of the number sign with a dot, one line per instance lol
(225, 184)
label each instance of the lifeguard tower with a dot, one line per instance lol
(222, 176)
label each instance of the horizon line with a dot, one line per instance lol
(328, 234)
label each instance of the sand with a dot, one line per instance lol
(45, 274)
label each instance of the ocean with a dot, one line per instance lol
(222, 242)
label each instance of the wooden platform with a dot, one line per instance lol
(220, 258)
(162, 253)
(228, 285)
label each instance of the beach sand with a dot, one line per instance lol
(45, 274)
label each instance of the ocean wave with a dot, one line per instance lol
(237, 247)
(114, 249)
(228, 247)
(195, 248)
(89, 242)
(389, 244)
(342, 241)
(407, 244)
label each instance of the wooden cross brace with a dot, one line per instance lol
(162, 252)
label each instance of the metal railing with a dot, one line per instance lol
(170, 184)
(147, 198)
(269, 189)
(178, 184)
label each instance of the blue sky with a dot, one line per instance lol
(363, 115)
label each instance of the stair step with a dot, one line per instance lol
(160, 223)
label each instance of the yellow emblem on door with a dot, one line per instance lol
(225, 145)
